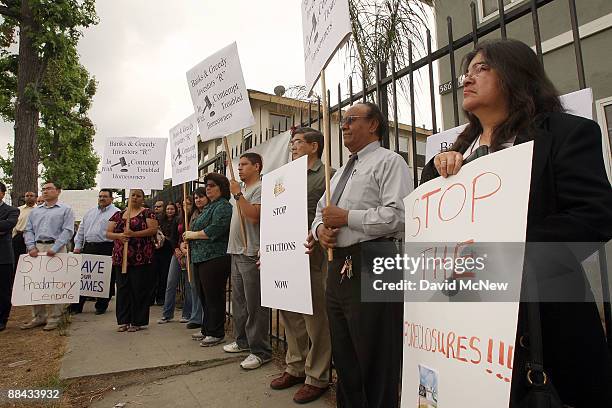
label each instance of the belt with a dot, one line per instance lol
(49, 241)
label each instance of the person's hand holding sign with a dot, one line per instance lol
(327, 236)
(448, 163)
(335, 217)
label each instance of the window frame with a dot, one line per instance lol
(483, 19)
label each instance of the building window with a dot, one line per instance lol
(279, 123)
(488, 9)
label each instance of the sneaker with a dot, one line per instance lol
(197, 336)
(234, 348)
(211, 341)
(32, 324)
(50, 326)
(252, 362)
(164, 320)
(183, 320)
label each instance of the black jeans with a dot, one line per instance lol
(366, 339)
(7, 277)
(134, 290)
(212, 277)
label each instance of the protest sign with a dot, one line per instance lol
(45, 280)
(133, 162)
(274, 151)
(325, 27)
(219, 95)
(80, 201)
(579, 103)
(95, 274)
(285, 272)
(184, 151)
(486, 202)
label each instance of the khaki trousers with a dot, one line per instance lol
(301, 328)
(51, 314)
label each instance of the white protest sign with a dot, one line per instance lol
(285, 272)
(45, 280)
(219, 95)
(579, 103)
(325, 27)
(184, 151)
(275, 152)
(95, 274)
(133, 162)
(450, 348)
(80, 201)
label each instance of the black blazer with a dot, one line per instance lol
(570, 200)
(8, 220)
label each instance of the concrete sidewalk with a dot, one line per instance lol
(95, 348)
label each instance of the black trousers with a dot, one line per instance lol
(366, 339)
(161, 264)
(212, 279)
(19, 248)
(7, 278)
(97, 248)
(134, 290)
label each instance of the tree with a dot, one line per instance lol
(49, 31)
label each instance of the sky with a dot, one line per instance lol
(141, 49)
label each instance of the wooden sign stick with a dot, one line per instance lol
(326, 142)
(186, 224)
(124, 263)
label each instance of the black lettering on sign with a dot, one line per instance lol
(279, 210)
(281, 284)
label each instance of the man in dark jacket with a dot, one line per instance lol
(8, 220)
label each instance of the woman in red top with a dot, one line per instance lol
(134, 288)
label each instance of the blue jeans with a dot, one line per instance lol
(174, 274)
(196, 303)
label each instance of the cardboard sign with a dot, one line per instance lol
(45, 280)
(450, 347)
(80, 201)
(219, 95)
(133, 162)
(95, 275)
(285, 271)
(326, 25)
(275, 153)
(184, 151)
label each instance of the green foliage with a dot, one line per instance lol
(6, 165)
(64, 90)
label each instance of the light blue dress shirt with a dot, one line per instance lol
(94, 224)
(49, 223)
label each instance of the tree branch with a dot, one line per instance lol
(7, 12)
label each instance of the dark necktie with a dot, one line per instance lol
(346, 174)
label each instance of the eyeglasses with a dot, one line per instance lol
(348, 120)
(297, 142)
(477, 69)
(159, 206)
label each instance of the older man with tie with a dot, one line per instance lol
(91, 239)
(50, 227)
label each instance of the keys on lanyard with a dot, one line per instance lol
(347, 269)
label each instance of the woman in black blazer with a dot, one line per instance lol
(508, 100)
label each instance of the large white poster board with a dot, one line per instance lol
(285, 272)
(80, 201)
(184, 151)
(275, 152)
(219, 95)
(579, 103)
(325, 27)
(95, 274)
(45, 280)
(460, 354)
(133, 162)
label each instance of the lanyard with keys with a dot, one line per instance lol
(347, 269)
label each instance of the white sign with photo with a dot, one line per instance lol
(486, 202)
(219, 95)
(326, 25)
(133, 162)
(184, 151)
(285, 271)
(45, 280)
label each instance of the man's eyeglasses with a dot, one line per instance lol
(477, 69)
(159, 206)
(297, 142)
(348, 120)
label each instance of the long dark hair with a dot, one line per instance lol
(527, 88)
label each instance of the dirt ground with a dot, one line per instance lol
(32, 359)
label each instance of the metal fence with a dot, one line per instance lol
(388, 83)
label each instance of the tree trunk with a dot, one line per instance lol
(25, 164)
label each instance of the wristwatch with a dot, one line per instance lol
(237, 196)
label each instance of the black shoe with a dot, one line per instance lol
(2, 326)
(192, 326)
(100, 311)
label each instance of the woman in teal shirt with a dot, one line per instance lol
(208, 249)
